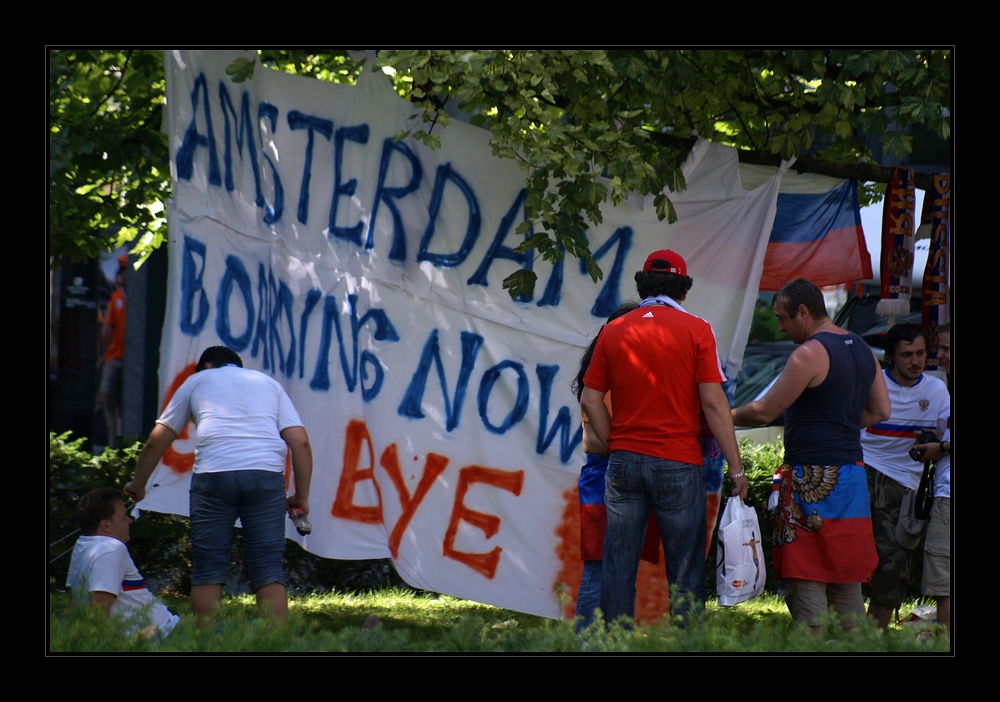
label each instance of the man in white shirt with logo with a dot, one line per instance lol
(919, 403)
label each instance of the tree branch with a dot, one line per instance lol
(850, 171)
(121, 77)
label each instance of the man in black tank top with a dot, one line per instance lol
(830, 389)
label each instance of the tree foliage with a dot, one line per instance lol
(585, 125)
(108, 161)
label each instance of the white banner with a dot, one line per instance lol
(365, 275)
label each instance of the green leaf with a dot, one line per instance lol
(665, 208)
(593, 269)
(534, 241)
(520, 282)
(241, 69)
(899, 144)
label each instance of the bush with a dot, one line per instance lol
(159, 542)
(308, 573)
(72, 474)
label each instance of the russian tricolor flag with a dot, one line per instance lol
(129, 585)
(817, 236)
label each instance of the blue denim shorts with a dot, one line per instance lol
(257, 498)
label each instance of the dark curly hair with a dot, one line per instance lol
(577, 385)
(653, 283)
(218, 356)
(904, 331)
(659, 281)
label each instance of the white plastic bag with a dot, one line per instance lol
(739, 563)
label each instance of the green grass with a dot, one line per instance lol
(425, 622)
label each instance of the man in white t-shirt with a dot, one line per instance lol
(101, 571)
(920, 403)
(246, 423)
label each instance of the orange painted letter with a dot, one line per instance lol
(343, 504)
(483, 563)
(174, 460)
(434, 465)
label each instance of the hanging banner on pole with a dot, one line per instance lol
(936, 285)
(897, 244)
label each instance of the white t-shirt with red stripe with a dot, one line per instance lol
(886, 445)
(103, 564)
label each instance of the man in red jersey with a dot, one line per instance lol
(661, 367)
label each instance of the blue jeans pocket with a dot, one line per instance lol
(676, 485)
(615, 476)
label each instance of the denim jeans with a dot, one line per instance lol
(588, 596)
(257, 497)
(636, 484)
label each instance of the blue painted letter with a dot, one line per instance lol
(608, 300)
(358, 134)
(410, 406)
(297, 120)
(191, 285)
(312, 297)
(282, 302)
(272, 214)
(498, 250)
(516, 413)
(564, 422)
(244, 127)
(449, 260)
(192, 139)
(235, 274)
(382, 193)
(263, 315)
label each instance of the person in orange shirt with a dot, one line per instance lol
(112, 357)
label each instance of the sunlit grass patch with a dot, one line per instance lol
(401, 621)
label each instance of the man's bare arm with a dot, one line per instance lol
(99, 598)
(593, 405)
(158, 442)
(934, 451)
(302, 465)
(877, 407)
(591, 444)
(805, 363)
(715, 404)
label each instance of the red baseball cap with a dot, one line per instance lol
(672, 258)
